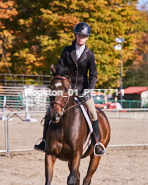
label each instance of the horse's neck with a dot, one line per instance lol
(71, 102)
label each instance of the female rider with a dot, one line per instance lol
(81, 59)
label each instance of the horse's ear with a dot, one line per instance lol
(53, 69)
(70, 72)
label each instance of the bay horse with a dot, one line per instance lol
(67, 132)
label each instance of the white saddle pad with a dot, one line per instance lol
(88, 140)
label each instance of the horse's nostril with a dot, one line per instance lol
(57, 116)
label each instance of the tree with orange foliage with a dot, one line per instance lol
(41, 30)
(136, 74)
(7, 12)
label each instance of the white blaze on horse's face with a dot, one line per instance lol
(58, 84)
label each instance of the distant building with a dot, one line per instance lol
(136, 93)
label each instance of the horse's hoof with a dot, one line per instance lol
(71, 180)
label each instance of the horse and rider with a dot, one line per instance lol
(61, 132)
(81, 59)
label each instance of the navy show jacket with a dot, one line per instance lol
(85, 63)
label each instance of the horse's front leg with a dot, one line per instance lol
(49, 163)
(74, 163)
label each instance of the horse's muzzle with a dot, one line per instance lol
(55, 117)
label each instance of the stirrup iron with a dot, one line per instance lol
(102, 147)
(44, 142)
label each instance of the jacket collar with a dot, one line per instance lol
(73, 54)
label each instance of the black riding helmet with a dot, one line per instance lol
(82, 28)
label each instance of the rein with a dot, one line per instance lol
(73, 106)
(67, 110)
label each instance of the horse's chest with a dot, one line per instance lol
(54, 147)
(65, 153)
(54, 140)
(63, 142)
(58, 149)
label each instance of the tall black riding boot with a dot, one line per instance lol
(98, 149)
(41, 146)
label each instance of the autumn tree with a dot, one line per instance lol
(43, 28)
(7, 12)
(41, 34)
(136, 74)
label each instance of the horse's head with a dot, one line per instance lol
(59, 87)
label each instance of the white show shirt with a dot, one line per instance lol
(79, 51)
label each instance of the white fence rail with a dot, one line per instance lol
(22, 79)
(129, 109)
(28, 132)
(22, 135)
(136, 113)
(16, 98)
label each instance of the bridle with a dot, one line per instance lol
(57, 102)
(61, 104)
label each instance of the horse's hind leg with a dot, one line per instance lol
(49, 163)
(94, 162)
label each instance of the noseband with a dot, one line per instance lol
(57, 102)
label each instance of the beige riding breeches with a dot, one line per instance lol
(91, 106)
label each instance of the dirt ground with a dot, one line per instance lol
(120, 166)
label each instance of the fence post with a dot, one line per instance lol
(3, 110)
(21, 99)
(6, 138)
(27, 113)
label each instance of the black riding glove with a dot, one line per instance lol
(87, 96)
